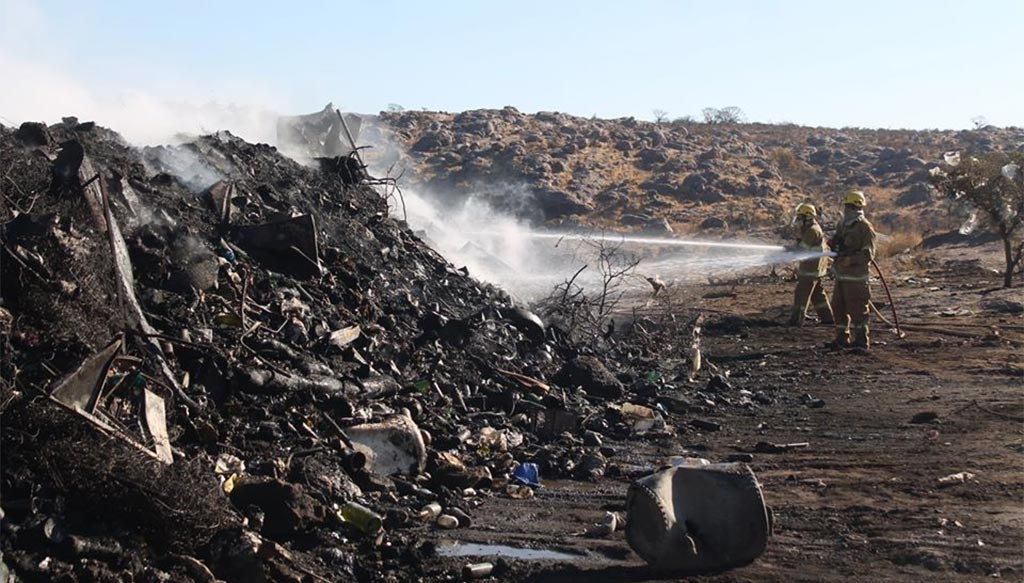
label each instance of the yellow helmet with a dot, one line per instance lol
(856, 198)
(806, 210)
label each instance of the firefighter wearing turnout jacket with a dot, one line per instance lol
(809, 289)
(854, 244)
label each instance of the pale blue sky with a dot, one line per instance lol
(867, 63)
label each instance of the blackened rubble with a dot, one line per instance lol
(271, 306)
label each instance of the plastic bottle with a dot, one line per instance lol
(361, 517)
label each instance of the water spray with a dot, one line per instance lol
(653, 241)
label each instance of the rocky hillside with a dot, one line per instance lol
(624, 173)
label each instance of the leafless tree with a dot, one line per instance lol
(660, 116)
(730, 114)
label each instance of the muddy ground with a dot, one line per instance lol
(863, 501)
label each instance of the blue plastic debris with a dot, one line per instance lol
(527, 474)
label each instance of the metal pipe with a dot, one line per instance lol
(351, 141)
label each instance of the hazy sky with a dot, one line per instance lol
(916, 64)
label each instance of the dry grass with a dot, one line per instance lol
(791, 167)
(898, 242)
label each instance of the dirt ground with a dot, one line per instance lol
(863, 501)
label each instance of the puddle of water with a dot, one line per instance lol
(460, 549)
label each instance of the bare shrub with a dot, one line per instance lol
(585, 311)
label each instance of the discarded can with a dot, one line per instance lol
(447, 521)
(477, 570)
(430, 511)
(362, 518)
(463, 518)
(697, 519)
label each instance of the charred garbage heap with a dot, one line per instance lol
(219, 364)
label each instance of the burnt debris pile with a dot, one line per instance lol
(221, 364)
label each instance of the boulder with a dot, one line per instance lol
(434, 140)
(632, 220)
(714, 223)
(657, 138)
(651, 157)
(591, 375)
(555, 204)
(659, 226)
(285, 506)
(917, 194)
(715, 153)
(820, 156)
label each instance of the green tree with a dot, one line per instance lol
(993, 186)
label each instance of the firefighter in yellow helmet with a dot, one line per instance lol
(809, 288)
(854, 244)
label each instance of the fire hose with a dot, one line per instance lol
(895, 316)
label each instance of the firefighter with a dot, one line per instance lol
(809, 287)
(854, 244)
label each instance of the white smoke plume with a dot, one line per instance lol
(47, 94)
(40, 86)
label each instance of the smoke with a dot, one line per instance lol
(47, 94)
(184, 164)
(40, 86)
(493, 245)
(483, 229)
(529, 262)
